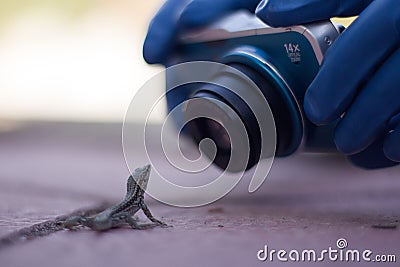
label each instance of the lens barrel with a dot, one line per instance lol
(215, 94)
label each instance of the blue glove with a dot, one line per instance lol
(176, 15)
(359, 80)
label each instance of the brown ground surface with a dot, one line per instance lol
(307, 202)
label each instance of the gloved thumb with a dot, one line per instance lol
(278, 13)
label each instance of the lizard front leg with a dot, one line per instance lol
(147, 212)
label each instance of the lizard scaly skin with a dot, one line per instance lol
(123, 211)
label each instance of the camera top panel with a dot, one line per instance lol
(238, 24)
(242, 23)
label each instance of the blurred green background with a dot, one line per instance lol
(73, 60)
(8, 9)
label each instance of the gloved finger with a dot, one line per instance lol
(352, 59)
(280, 13)
(201, 12)
(391, 146)
(373, 157)
(369, 114)
(162, 31)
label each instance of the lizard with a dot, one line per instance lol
(122, 212)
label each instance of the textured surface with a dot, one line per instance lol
(307, 202)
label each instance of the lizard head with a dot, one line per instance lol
(137, 182)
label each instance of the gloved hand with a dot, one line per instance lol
(359, 79)
(358, 75)
(176, 15)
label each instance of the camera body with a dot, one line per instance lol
(282, 62)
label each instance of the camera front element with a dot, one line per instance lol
(223, 97)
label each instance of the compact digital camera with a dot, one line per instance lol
(282, 62)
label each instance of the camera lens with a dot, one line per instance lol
(213, 94)
(216, 131)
